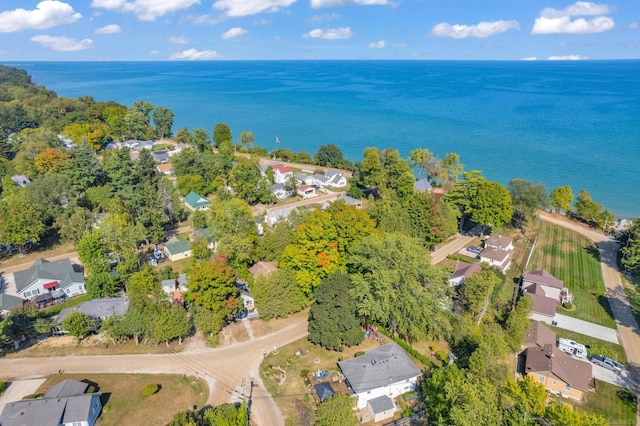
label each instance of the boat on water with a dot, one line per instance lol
(277, 140)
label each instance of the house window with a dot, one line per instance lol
(541, 378)
(554, 382)
(567, 387)
(27, 293)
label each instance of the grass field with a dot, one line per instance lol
(126, 404)
(615, 404)
(574, 259)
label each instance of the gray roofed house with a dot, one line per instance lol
(279, 190)
(498, 258)
(303, 177)
(99, 309)
(320, 180)
(385, 370)
(8, 302)
(160, 156)
(64, 404)
(422, 185)
(46, 277)
(381, 408)
(350, 201)
(274, 216)
(20, 180)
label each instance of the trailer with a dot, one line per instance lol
(572, 348)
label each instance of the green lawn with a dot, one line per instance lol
(574, 259)
(594, 346)
(613, 403)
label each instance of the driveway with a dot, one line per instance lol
(585, 327)
(223, 368)
(623, 379)
(19, 389)
(450, 247)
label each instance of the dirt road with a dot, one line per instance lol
(450, 247)
(11, 269)
(223, 368)
(260, 209)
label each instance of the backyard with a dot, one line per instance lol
(616, 405)
(125, 403)
(574, 259)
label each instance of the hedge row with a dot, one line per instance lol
(404, 345)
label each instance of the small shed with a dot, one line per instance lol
(324, 390)
(178, 250)
(381, 408)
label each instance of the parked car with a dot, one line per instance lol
(606, 362)
(474, 249)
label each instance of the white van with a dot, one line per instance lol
(572, 348)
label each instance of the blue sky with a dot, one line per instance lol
(159, 30)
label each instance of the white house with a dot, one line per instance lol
(422, 185)
(543, 283)
(279, 191)
(497, 258)
(335, 179)
(45, 277)
(274, 216)
(177, 250)
(281, 173)
(462, 271)
(319, 180)
(499, 242)
(306, 191)
(382, 371)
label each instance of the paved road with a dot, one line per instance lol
(450, 247)
(223, 368)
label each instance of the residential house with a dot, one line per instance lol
(319, 180)
(274, 216)
(462, 271)
(499, 242)
(335, 179)
(279, 191)
(248, 302)
(98, 309)
(498, 258)
(160, 156)
(422, 185)
(20, 180)
(165, 168)
(195, 201)
(306, 191)
(281, 173)
(350, 201)
(381, 408)
(176, 287)
(382, 371)
(259, 227)
(262, 269)
(177, 250)
(303, 178)
(546, 291)
(65, 404)
(9, 302)
(560, 373)
(50, 278)
(203, 234)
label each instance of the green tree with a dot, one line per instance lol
(226, 415)
(47, 194)
(517, 323)
(102, 284)
(247, 140)
(78, 324)
(143, 286)
(437, 401)
(391, 216)
(82, 169)
(332, 319)
(74, 224)
(450, 170)
(477, 290)
(92, 250)
(585, 208)
(629, 241)
(163, 119)
(433, 219)
(211, 285)
(206, 321)
(244, 179)
(527, 197)
(118, 166)
(278, 295)
(400, 177)
(234, 229)
(337, 410)
(394, 285)
(468, 406)
(561, 198)
(17, 327)
(221, 133)
(195, 183)
(183, 136)
(274, 241)
(524, 398)
(330, 156)
(425, 161)
(21, 220)
(171, 322)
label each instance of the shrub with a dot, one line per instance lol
(106, 408)
(3, 386)
(443, 356)
(304, 374)
(150, 389)
(357, 354)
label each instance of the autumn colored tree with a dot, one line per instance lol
(50, 160)
(95, 134)
(211, 286)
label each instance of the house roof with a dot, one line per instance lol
(543, 305)
(304, 187)
(60, 270)
(465, 269)
(378, 367)
(321, 178)
(166, 167)
(278, 214)
(494, 254)
(543, 277)
(498, 241)
(8, 302)
(281, 168)
(277, 187)
(196, 200)
(335, 179)
(349, 200)
(422, 185)
(203, 233)
(302, 176)
(262, 268)
(172, 283)
(549, 358)
(381, 404)
(539, 334)
(324, 390)
(20, 180)
(66, 388)
(160, 156)
(178, 247)
(98, 308)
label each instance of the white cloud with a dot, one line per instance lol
(250, 7)
(554, 21)
(233, 33)
(62, 43)
(47, 14)
(377, 44)
(195, 55)
(316, 19)
(530, 58)
(178, 40)
(341, 33)
(480, 30)
(316, 4)
(153, 52)
(108, 29)
(145, 10)
(567, 58)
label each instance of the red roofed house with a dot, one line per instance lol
(281, 173)
(306, 191)
(560, 373)
(463, 271)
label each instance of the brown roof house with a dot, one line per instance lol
(560, 373)
(263, 268)
(498, 258)
(462, 271)
(546, 292)
(499, 242)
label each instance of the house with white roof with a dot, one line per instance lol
(422, 185)
(384, 372)
(274, 216)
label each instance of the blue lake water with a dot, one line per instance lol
(559, 123)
